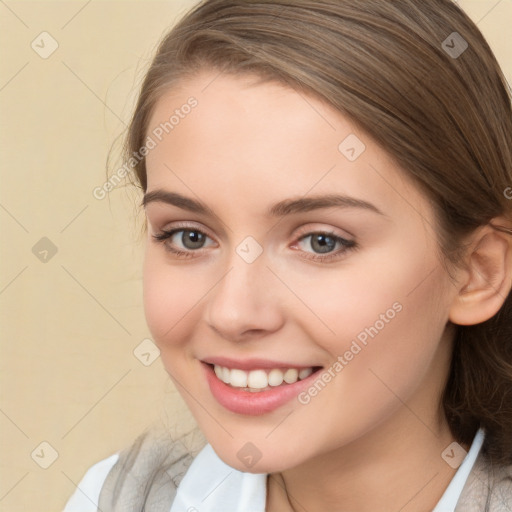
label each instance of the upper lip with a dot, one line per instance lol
(253, 363)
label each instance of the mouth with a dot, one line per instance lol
(256, 390)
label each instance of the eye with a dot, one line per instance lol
(190, 238)
(323, 244)
(188, 242)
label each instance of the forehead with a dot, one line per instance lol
(243, 139)
(261, 115)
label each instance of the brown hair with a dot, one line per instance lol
(445, 118)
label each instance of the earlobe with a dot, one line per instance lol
(487, 278)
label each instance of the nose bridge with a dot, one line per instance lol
(247, 268)
(243, 299)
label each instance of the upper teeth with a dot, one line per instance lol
(260, 379)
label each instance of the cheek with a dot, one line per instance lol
(169, 296)
(354, 303)
(377, 365)
(392, 349)
(389, 320)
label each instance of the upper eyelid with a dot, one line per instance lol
(223, 227)
(183, 225)
(304, 232)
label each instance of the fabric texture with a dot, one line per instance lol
(146, 475)
(486, 489)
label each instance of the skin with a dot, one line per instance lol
(376, 432)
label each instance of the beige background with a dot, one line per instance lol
(70, 324)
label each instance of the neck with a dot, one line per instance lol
(388, 470)
(397, 465)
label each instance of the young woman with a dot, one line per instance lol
(327, 187)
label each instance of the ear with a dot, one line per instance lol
(487, 277)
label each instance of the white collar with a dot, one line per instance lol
(452, 494)
(210, 485)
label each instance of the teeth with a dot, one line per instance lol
(305, 372)
(275, 377)
(291, 376)
(257, 380)
(238, 378)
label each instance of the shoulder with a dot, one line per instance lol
(487, 488)
(86, 496)
(502, 490)
(145, 472)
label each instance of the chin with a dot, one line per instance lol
(234, 456)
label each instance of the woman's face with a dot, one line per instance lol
(302, 247)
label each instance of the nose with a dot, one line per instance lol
(245, 304)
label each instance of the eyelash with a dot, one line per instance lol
(347, 245)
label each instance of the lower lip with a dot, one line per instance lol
(253, 403)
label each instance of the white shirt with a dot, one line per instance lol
(210, 485)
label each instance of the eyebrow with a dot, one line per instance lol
(280, 209)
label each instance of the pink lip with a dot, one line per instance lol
(252, 364)
(253, 404)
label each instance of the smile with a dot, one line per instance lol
(260, 380)
(258, 390)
